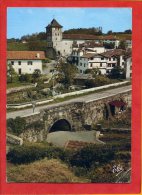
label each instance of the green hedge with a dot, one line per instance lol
(26, 154)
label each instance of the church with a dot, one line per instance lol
(59, 43)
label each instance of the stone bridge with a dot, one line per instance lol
(76, 116)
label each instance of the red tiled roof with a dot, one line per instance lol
(88, 37)
(25, 55)
(80, 37)
(113, 52)
(88, 55)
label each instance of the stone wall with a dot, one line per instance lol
(78, 115)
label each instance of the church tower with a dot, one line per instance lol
(54, 36)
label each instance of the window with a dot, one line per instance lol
(102, 58)
(80, 71)
(84, 65)
(80, 64)
(100, 64)
(109, 59)
(12, 62)
(91, 64)
(113, 59)
(19, 62)
(122, 63)
(30, 63)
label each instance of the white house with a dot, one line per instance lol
(103, 61)
(25, 61)
(128, 67)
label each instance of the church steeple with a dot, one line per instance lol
(54, 23)
(54, 34)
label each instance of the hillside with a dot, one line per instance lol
(42, 44)
(38, 45)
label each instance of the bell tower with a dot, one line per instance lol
(54, 35)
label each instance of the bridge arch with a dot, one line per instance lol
(60, 125)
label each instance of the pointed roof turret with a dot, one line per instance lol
(54, 23)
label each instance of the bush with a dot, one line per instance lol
(29, 153)
(25, 78)
(17, 125)
(92, 153)
(101, 175)
(101, 80)
(123, 155)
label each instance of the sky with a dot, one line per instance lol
(23, 21)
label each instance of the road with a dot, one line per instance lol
(85, 98)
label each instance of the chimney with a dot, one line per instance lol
(38, 55)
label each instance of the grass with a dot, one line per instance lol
(13, 85)
(51, 171)
(15, 46)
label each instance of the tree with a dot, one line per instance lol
(116, 73)
(24, 78)
(36, 74)
(129, 31)
(109, 45)
(10, 73)
(109, 32)
(37, 45)
(122, 45)
(94, 72)
(66, 73)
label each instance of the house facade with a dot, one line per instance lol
(129, 67)
(103, 61)
(25, 61)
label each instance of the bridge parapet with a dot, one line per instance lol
(76, 115)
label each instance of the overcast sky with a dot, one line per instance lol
(23, 21)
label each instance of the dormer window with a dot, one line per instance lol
(38, 55)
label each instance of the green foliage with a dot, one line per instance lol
(94, 72)
(47, 60)
(25, 78)
(92, 153)
(98, 81)
(31, 45)
(37, 45)
(91, 31)
(17, 46)
(11, 74)
(29, 153)
(67, 73)
(123, 155)
(109, 45)
(102, 175)
(16, 125)
(36, 75)
(122, 45)
(116, 73)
